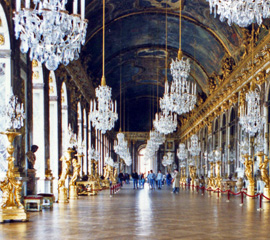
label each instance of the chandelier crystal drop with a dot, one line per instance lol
(241, 12)
(49, 32)
(165, 122)
(182, 152)
(251, 118)
(194, 148)
(259, 143)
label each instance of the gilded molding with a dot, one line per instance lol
(237, 81)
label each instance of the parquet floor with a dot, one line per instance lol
(145, 214)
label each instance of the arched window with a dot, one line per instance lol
(38, 121)
(5, 84)
(54, 154)
(64, 116)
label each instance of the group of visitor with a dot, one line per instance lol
(138, 179)
(152, 179)
(123, 178)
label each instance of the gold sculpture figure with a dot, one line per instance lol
(66, 162)
(106, 182)
(211, 180)
(11, 207)
(248, 171)
(192, 172)
(76, 172)
(218, 179)
(264, 172)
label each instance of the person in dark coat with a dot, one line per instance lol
(135, 178)
(121, 178)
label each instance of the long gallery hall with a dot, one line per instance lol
(134, 119)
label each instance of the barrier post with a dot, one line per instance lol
(242, 199)
(228, 200)
(218, 193)
(260, 209)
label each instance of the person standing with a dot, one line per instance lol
(159, 179)
(176, 181)
(152, 179)
(168, 179)
(143, 180)
(135, 178)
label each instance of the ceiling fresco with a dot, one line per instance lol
(135, 49)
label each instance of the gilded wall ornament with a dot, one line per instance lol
(2, 39)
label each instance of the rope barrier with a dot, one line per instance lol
(114, 189)
(218, 190)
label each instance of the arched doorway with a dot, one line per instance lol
(144, 164)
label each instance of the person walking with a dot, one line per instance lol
(135, 178)
(152, 179)
(168, 178)
(143, 180)
(159, 179)
(176, 181)
(121, 178)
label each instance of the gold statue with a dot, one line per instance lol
(211, 179)
(218, 178)
(264, 173)
(66, 162)
(76, 172)
(248, 171)
(11, 207)
(192, 172)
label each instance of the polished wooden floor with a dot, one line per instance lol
(145, 214)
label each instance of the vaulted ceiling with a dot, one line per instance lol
(135, 50)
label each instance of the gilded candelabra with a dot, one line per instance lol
(264, 173)
(66, 162)
(76, 172)
(11, 207)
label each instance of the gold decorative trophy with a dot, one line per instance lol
(11, 207)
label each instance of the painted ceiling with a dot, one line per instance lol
(136, 53)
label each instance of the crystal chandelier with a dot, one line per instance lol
(71, 138)
(167, 159)
(80, 145)
(165, 122)
(122, 148)
(157, 138)
(217, 155)
(182, 152)
(241, 12)
(181, 97)
(94, 154)
(194, 148)
(251, 118)
(50, 33)
(109, 161)
(259, 143)
(103, 115)
(13, 113)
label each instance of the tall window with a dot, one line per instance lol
(5, 83)
(38, 120)
(64, 115)
(54, 154)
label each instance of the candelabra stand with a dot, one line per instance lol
(73, 193)
(11, 207)
(66, 162)
(264, 173)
